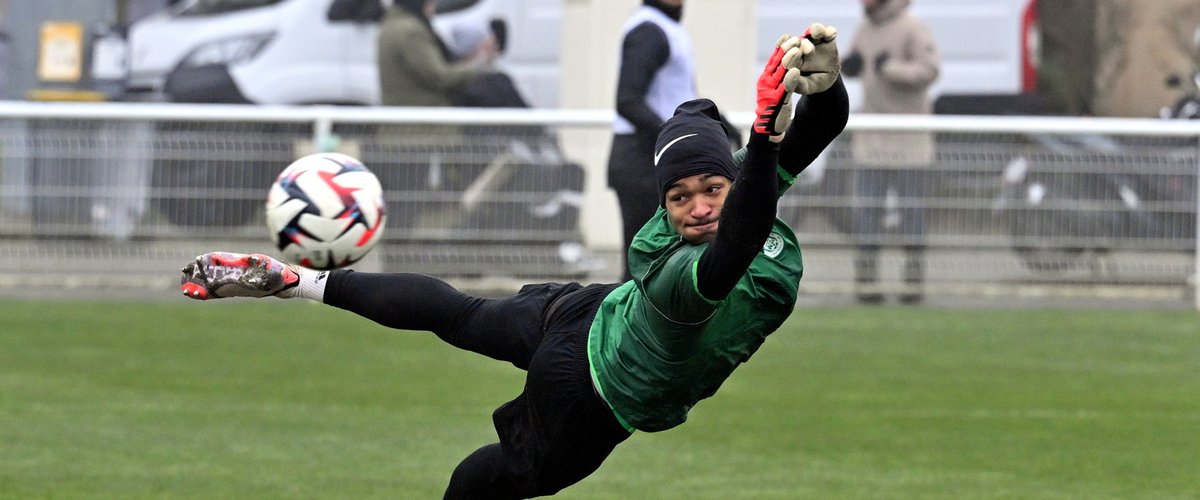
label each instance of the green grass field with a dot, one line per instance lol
(271, 399)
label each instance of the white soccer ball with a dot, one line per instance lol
(325, 211)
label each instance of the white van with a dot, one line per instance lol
(290, 52)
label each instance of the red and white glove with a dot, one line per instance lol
(774, 111)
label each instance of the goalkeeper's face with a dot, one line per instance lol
(694, 205)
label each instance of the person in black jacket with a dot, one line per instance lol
(656, 74)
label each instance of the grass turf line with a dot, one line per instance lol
(253, 399)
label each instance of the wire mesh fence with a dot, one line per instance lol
(1004, 213)
(111, 196)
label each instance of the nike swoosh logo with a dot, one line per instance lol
(658, 155)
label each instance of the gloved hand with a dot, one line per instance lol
(880, 60)
(821, 67)
(774, 108)
(852, 65)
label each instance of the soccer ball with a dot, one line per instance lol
(325, 211)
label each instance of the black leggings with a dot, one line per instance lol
(558, 430)
(507, 329)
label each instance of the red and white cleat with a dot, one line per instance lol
(218, 275)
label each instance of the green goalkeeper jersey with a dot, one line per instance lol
(656, 346)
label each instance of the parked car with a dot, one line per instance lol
(292, 52)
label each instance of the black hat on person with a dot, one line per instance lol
(672, 11)
(692, 142)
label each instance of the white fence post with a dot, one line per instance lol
(323, 139)
(1196, 267)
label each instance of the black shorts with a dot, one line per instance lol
(559, 430)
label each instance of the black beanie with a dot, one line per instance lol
(675, 13)
(692, 142)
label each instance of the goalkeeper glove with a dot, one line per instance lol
(820, 67)
(852, 65)
(774, 110)
(880, 61)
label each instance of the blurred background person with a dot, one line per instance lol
(1097, 58)
(489, 88)
(416, 68)
(1146, 55)
(895, 55)
(420, 69)
(657, 73)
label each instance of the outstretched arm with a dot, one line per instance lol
(819, 119)
(749, 210)
(746, 221)
(822, 111)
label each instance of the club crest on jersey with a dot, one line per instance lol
(774, 245)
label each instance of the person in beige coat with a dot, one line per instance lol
(1131, 81)
(1095, 62)
(895, 55)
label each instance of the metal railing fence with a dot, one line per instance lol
(1001, 206)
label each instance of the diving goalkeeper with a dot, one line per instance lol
(715, 272)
